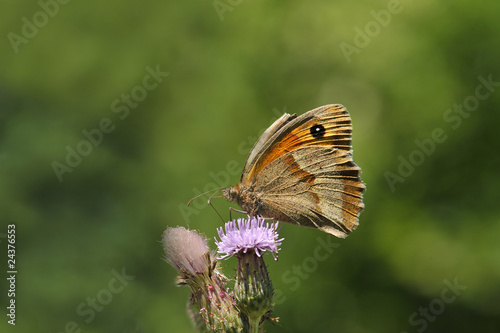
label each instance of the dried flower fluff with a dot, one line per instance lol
(186, 250)
(211, 307)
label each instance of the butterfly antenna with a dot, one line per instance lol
(204, 193)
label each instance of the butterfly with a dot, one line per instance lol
(301, 171)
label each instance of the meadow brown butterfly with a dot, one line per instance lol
(301, 171)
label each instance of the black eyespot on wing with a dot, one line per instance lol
(318, 131)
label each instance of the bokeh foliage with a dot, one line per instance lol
(228, 80)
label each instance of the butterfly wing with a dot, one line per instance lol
(264, 142)
(290, 132)
(305, 174)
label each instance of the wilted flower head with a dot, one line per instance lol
(186, 250)
(210, 305)
(243, 235)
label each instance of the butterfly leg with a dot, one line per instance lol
(231, 209)
(267, 218)
(210, 203)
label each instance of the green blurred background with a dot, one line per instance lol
(234, 67)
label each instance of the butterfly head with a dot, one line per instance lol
(245, 197)
(231, 193)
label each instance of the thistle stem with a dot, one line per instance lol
(254, 324)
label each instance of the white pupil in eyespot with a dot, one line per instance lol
(317, 131)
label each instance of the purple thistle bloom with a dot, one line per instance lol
(253, 233)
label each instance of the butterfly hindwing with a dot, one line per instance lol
(319, 187)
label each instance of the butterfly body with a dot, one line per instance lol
(301, 171)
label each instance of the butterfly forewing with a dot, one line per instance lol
(335, 121)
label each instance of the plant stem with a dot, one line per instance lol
(254, 324)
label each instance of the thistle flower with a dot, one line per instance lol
(186, 250)
(253, 290)
(211, 306)
(248, 234)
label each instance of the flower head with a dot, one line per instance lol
(243, 235)
(253, 289)
(211, 306)
(186, 250)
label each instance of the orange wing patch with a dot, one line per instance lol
(336, 127)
